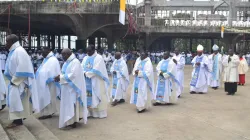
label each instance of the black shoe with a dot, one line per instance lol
(215, 88)
(192, 92)
(121, 101)
(114, 103)
(156, 104)
(45, 117)
(141, 111)
(179, 96)
(201, 93)
(3, 106)
(73, 125)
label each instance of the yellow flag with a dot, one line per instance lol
(122, 12)
(222, 31)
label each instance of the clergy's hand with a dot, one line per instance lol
(198, 64)
(12, 84)
(136, 72)
(161, 74)
(175, 61)
(57, 78)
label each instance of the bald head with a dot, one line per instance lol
(10, 40)
(117, 55)
(66, 53)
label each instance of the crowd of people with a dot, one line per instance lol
(81, 84)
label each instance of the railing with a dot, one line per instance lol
(199, 23)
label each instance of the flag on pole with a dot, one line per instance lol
(122, 12)
(222, 31)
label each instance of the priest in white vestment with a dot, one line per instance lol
(143, 86)
(231, 74)
(167, 86)
(97, 83)
(3, 91)
(200, 72)
(215, 67)
(49, 90)
(73, 105)
(120, 79)
(180, 61)
(22, 91)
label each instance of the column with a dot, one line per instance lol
(53, 42)
(92, 40)
(212, 43)
(29, 42)
(99, 43)
(38, 41)
(190, 44)
(69, 42)
(49, 45)
(59, 42)
(148, 12)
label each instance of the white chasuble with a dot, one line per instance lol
(73, 104)
(48, 89)
(120, 79)
(20, 72)
(143, 86)
(97, 83)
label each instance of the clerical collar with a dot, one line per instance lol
(14, 46)
(71, 57)
(146, 59)
(50, 54)
(94, 54)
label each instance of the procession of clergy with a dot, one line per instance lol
(82, 87)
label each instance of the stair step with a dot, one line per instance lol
(17, 133)
(3, 134)
(39, 130)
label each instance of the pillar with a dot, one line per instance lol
(92, 40)
(69, 42)
(148, 12)
(38, 41)
(99, 43)
(53, 39)
(190, 44)
(29, 42)
(59, 42)
(49, 45)
(212, 43)
(232, 12)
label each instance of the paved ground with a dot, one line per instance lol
(213, 116)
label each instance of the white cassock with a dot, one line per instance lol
(3, 59)
(3, 89)
(143, 86)
(167, 84)
(120, 79)
(73, 106)
(231, 68)
(215, 70)
(48, 89)
(23, 93)
(180, 72)
(199, 74)
(97, 84)
(231, 74)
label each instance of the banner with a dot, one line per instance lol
(222, 31)
(122, 12)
